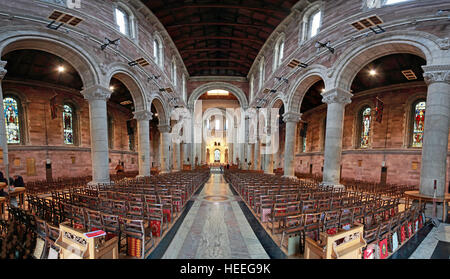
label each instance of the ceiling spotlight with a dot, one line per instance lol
(111, 88)
(372, 72)
(156, 114)
(61, 69)
(323, 90)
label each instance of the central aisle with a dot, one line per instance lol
(215, 228)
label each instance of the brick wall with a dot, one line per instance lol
(44, 135)
(389, 142)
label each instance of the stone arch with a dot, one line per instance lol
(359, 55)
(218, 85)
(57, 44)
(127, 77)
(161, 106)
(302, 85)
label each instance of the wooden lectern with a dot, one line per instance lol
(345, 244)
(74, 244)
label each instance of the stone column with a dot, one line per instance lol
(177, 162)
(250, 156)
(97, 97)
(257, 157)
(268, 156)
(291, 119)
(435, 140)
(165, 144)
(3, 138)
(336, 99)
(143, 127)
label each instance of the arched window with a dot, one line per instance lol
(12, 120)
(158, 50)
(174, 72)
(278, 53)
(418, 123)
(252, 81)
(312, 21)
(365, 120)
(123, 21)
(68, 124)
(261, 73)
(183, 87)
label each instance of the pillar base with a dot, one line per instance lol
(95, 183)
(334, 185)
(142, 176)
(290, 177)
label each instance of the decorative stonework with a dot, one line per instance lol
(444, 44)
(96, 92)
(436, 73)
(3, 71)
(292, 117)
(337, 96)
(164, 129)
(143, 115)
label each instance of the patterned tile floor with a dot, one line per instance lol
(215, 228)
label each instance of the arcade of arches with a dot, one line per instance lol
(306, 100)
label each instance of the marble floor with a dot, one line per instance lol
(215, 227)
(436, 244)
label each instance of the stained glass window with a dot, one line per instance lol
(304, 145)
(419, 123)
(366, 119)
(68, 124)
(11, 110)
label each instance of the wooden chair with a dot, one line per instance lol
(294, 226)
(111, 225)
(346, 217)
(309, 206)
(120, 208)
(312, 225)
(135, 210)
(331, 220)
(78, 217)
(167, 202)
(94, 220)
(136, 229)
(154, 214)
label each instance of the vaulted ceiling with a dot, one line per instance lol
(220, 38)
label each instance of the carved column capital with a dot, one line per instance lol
(164, 128)
(3, 70)
(96, 92)
(436, 73)
(143, 115)
(337, 95)
(292, 117)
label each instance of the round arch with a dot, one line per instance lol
(127, 77)
(160, 106)
(359, 55)
(60, 45)
(301, 86)
(218, 85)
